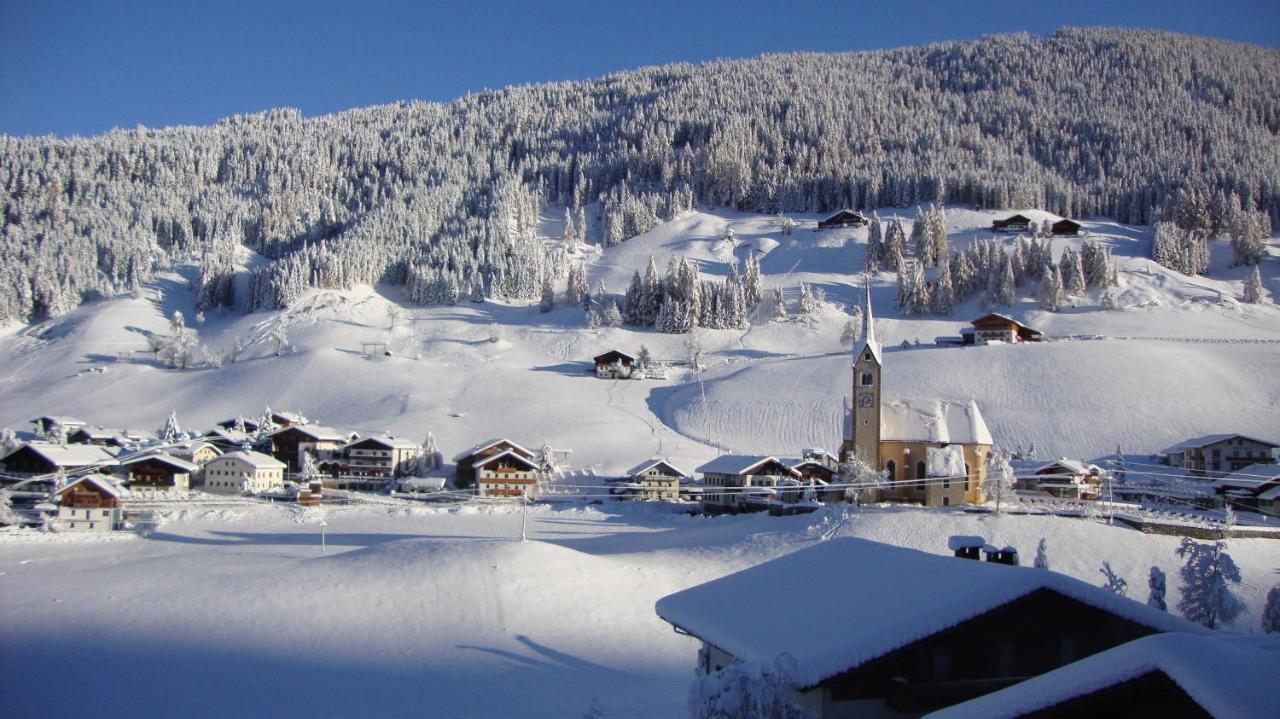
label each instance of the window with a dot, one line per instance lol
(921, 473)
(892, 469)
(946, 501)
(866, 379)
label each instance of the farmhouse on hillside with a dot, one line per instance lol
(655, 479)
(374, 460)
(1064, 478)
(1065, 227)
(90, 503)
(45, 458)
(843, 218)
(927, 631)
(1016, 223)
(465, 473)
(933, 451)
(1216, 455)
(288, 444)
(507, 474)
(995, 327)
(243, 472)
(614, 365)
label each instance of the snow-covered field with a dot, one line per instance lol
(435, 612)
(443, 612)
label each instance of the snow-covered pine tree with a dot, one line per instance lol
(1006, 287)
(1113, 582)
(1253, 287)
(1249, 231)
(895, 245)
(850, 334)
(1156, 589)
(9, 442)
(936, 228)
(999, 483)
(806, 304)
(1042, 555)
(747, 691)
(548, 302)
(644, 360)
(170, 432)
(875, 245)
(612, 315)
(1073, 282)
(1208, 573)
(577, 293)
(752, 281)
(633, 299)
(651, 295)
(779, 305)
(1051, 296)
(921, 245)
(1271, 612)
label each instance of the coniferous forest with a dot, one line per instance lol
(445, 198)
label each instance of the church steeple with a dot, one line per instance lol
(864, 427)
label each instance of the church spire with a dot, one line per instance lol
(868, 327)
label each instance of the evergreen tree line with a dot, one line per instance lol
(1082, 122)
(1180, 239)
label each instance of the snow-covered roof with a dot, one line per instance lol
(385, 440)
(97, 432)
(651, 463)
(486, 445)
(513, 455)
(229, 435)
(911, 594)
(71, 455)
(422, 484)
(1208, 439)
(931, 420)
(97, 480)
(1073, 467)
(1270, 495)
(162, 457)
(740, 464)
(1251, 477)
(255, 459)
(1228, 676)
(62, 419)
(318, 432)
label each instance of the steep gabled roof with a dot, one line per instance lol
(1227, 675)
(255, 459)
(651, 463)
(97, 480)
(486, 445)
(163, 458)
(320, 433)
(386, 440)
(1252, 477)
(70, 455)
(613, 356)
(510, 455)
(910, 594)
(868, 343)
(1070, 466)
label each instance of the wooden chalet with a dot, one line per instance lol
(228, 440)
(1064, 478)
(995, 327)
(45, 424)
(945, 630)
(1216, 455)
(736, 483)
(465, 474)
(160, 471)
(373, 461)
(40, 458)
(843, 218)
(1064, 227)
(654, 479)
(289, 443)
(246, 425)
(1255, 487)
(101, 436)
(90, 503)
(506, 474)
(1015, 223)
(614, 365)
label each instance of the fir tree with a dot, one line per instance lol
(875, 246)
(1207, 575)
(548, 302)
(895, 245)
(1051, 289)
(1253, 287)
(779, 305)
(1156, 589)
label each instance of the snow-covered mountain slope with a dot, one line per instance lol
(1180, 357)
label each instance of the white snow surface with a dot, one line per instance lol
(1231, 677)
(899, 587)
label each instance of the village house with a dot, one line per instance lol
(45, 459)
(734, 483)
(243, 472)
(1217, 455)
(289, 443)
(46, 423)
(239, 424)
(1066, 227)
(160, 471)
(1063, 478)
(507, 474)
(1161, 675)
(843, 218)
(614, 365)
(655, 479)
(197, 452)
(101, 436)
(922, 631)
(465, 473)
(816, 464)
(996, 327)
(90, 503)
(228, 440)
(933, 452)
(374, 460)
(1015, 223)
(1255, 487)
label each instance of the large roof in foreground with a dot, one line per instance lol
(1228, 676)
(900, 588)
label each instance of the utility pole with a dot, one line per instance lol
(323, 524)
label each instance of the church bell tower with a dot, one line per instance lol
(863, 439)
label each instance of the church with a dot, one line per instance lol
(934, 451)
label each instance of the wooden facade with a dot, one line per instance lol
(1016, 223)
(465, 474)
(728, 481)
(614, 365)
(160, 472)
(843, 218)
(90, 503)
(996, 327)
(1069, 228)
(507, 474)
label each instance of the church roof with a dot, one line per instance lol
(868, 341)
(932, 420)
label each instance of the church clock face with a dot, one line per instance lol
(865, 399)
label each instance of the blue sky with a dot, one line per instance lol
(79, 67)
